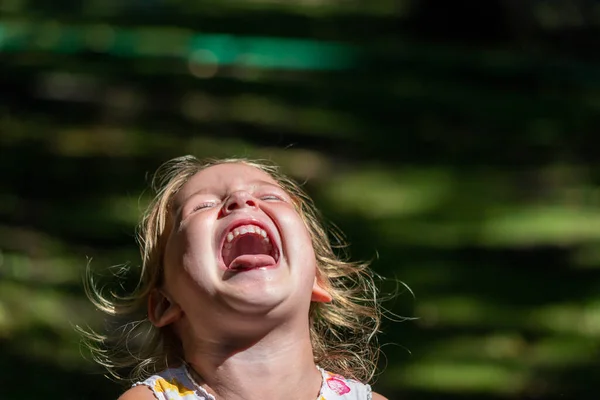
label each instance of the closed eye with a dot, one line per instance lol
(203, 206)
(271, 197)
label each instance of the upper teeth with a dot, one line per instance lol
(244, 229)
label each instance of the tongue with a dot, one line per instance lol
(248, 251)
(251, 261)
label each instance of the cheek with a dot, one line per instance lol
(299, 243)
(190, 267)
(189, 248)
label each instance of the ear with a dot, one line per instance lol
(162, 311)
(319, 294)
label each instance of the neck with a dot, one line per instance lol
(276, 365)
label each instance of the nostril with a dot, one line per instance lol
(239, 200)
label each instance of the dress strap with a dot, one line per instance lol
(196, 385)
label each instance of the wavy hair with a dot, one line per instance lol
(343, 332)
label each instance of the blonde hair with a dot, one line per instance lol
(343, 332)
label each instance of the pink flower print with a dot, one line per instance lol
(337, 385)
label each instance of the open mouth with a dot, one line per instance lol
(249, 247)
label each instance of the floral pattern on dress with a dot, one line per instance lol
(337, 384)
(177, 384)
(173, 387)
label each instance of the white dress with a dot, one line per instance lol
(177, 383)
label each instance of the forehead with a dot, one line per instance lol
(225, 178)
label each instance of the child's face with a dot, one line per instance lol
(237, 244)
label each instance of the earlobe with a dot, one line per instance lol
(319, 294)
(162, 311)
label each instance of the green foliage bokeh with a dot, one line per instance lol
(453, 142)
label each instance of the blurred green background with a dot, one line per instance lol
(451, 140)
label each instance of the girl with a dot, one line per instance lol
(242, 293)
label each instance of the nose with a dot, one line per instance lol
(239, 200)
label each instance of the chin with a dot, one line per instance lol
(264, 299)
(254, 299)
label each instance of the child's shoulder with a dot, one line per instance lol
(138, 393)
(377, 396)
